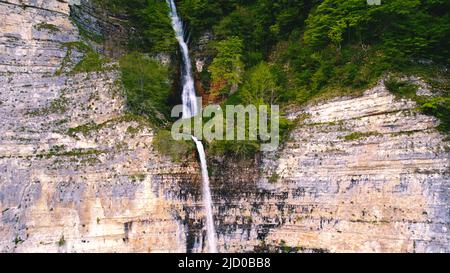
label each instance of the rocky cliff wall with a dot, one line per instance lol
(107, 32)
(78, 174)
(365, 174)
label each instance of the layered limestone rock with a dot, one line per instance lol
(106, 31)
(365, 174)
(78, 174)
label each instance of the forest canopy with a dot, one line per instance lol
(314, 44)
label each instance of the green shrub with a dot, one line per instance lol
(59, 105)
(166, 145)
(227, 67)
(50, 27)
(91, 62)
(238, 149)
(18, 240)
(147, 87)
(401, 88)
(440, 108)
(360, 135)
(61, 241)
(274, 178)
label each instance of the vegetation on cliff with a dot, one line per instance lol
(151, 29)
(298, 51)
(147, 87)
(293, 52)
(320, 47)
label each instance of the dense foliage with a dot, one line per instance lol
(297, 51)
(316, 45)
(312, 46)
(147, 87)
(227, 67)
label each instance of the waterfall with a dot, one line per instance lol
(206, 192)
(190, 109)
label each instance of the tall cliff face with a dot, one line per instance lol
(78, 174)
(365, 174)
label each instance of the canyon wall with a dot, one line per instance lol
(79, 174)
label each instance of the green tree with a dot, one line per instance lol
(261, 86)
(200, 14)
(332, 19)
(227, 67)
(147, 86)
(157, 27)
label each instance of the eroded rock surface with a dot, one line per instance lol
(364, 174)
(77, 174)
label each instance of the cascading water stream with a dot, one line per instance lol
(206, 192)
(190, 109)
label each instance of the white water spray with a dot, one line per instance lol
(210, 230)
(190, 109)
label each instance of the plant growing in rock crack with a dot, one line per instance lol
(46, 26)
(92, 61)
(59, 106)
(274, 178)
(18, 240)
(61, 241)
(360, 135)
